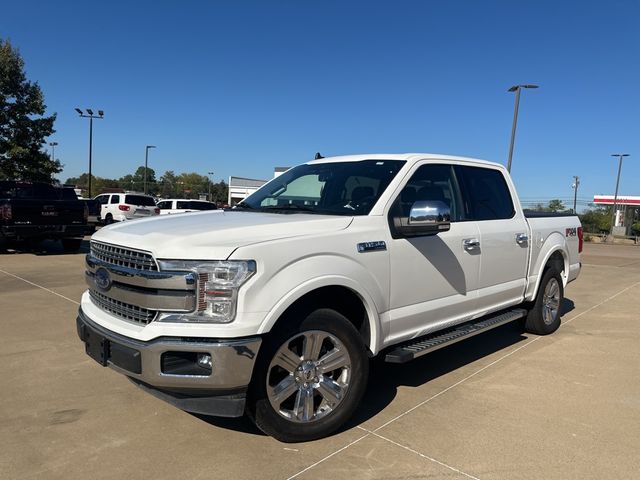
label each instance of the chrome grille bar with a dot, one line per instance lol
(123, 257)
(122, 309)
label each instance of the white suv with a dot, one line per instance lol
(180, 205)
(117, 207)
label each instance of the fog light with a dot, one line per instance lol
(204, 360)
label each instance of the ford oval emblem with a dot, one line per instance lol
(102, 279)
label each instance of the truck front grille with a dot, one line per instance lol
(122, 309)
(123, 257)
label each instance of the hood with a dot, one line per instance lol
(214, 234)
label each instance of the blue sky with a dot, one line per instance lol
(240, 87)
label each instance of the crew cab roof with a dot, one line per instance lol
(407, 157)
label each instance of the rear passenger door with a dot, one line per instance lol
(503, 248)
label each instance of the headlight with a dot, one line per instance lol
(218, 285)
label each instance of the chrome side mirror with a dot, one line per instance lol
(426, 217)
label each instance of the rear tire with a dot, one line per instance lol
(544, 315)
(309, 379)
(108, 220)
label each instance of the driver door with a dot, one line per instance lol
(434, 278)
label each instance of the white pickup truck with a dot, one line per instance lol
(275, 307)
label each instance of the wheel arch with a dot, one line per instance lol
(338, 293)
(554, 254)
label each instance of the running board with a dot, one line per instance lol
(436, 341)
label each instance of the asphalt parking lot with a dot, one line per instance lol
(502, 405)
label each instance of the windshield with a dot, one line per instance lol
(340, 188)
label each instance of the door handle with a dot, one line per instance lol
(521, 238)
(470, 243)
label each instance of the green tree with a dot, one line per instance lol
(23, 128)
(597, 220)
(556, 205)
(135, 181)
(191, 185)
(220, 192)
(167, 184)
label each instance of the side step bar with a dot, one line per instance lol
(436, 341)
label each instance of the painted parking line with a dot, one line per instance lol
(39, 286)
(442, 392)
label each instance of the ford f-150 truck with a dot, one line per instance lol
(274, 308)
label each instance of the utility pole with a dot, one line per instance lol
(146, 160)
(615, 197)
(90, 116)
(576, 183)
(515, 88)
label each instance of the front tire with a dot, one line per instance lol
(544, 315)
(310, 378)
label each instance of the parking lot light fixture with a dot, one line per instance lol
(53, 150)
(90, 116)
(515, 88)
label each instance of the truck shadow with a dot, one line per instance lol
(44, 248)
(386, 378)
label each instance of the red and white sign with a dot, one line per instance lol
(622, 200)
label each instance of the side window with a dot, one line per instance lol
(487, 196)
(163, 205)
(115, 199)
(101, 199)
(182, 205)
(433, 182)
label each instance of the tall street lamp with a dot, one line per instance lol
(210, 181)
(615, 196)
(146, 160)
(515, 88)
(575, 185)
(53, 150)
(90, 116)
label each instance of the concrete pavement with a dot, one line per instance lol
(502, 405)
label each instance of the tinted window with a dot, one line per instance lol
(486, 194)
(164, 205)
(182, 205)
(139, 200)
(435, 183)
(102, 199)
(115, 199)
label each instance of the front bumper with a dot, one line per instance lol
(152, 366)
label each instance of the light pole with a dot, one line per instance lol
(210, 175)
(615, 196)
(515, 88)
(576, 184)
(90, 116)
(53, 150)
(146, 160)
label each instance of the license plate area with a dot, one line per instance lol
(96, 346)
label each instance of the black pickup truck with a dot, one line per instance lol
(39, 211)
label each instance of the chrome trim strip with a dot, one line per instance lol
(165, 300)
(145, 278)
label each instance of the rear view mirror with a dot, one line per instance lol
(427, 217)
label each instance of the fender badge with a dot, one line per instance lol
(371, 246)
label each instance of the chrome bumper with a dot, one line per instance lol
(232, 362)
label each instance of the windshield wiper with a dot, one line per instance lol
(290, 206)
(246, 206)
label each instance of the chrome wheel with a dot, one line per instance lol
(308, 376)
(551, 301)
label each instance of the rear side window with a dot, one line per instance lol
(182, 205)
(140, 200)
(486, 194)
(115, 199)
